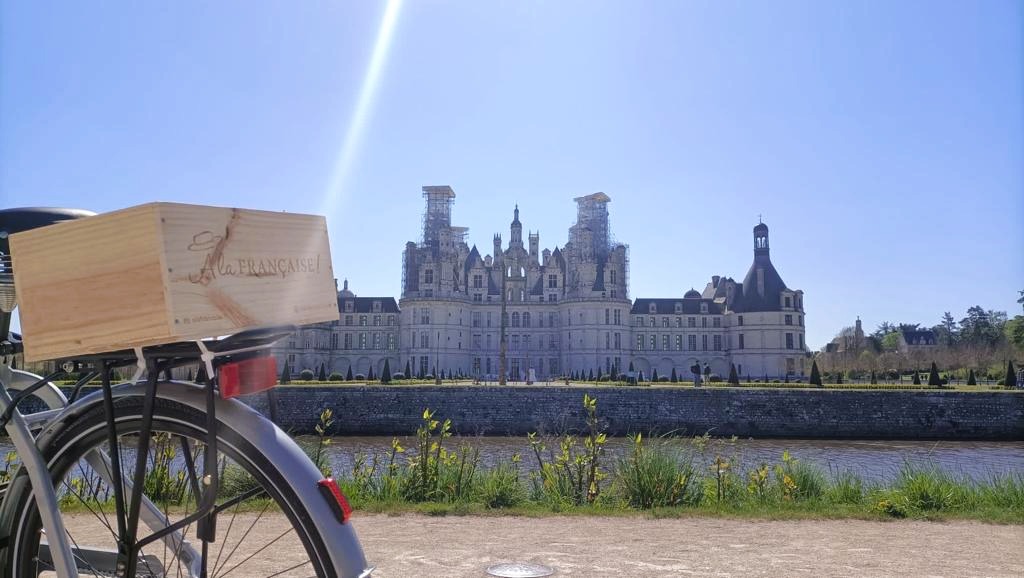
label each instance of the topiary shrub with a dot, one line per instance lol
(306, 375)
(398, 376)
(1011, 375)
(815, 376)
(715, 378)
(971, 380)
(335, 376)
(933, 376)
(663, 379)
(360, 377)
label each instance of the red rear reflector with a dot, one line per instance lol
(248, 376)
(332, 493)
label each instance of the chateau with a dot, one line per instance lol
(554, 311)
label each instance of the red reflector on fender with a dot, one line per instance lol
(332, 493)
(248, 376)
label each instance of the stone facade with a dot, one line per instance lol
(562, 310)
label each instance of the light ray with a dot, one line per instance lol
(336, 193)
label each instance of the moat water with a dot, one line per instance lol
(873, 460)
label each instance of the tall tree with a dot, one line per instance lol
(1014, 331)
(949, 324)
(981, 327)
(884, 328)
(891, 341)
(1021, 300)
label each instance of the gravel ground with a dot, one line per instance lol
(425, 546)
(412, 545)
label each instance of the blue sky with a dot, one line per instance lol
(882, 141)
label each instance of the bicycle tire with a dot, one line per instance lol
(73, 440)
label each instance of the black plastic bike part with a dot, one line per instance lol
(206, 529)
(82, 382)
(206, 510)
(115, 466)
(28, 391)
(141, 457)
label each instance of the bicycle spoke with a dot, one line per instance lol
(224, 540)
(250, 556)
(299, 565)
(244, 536)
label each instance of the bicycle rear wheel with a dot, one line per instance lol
(262, 528)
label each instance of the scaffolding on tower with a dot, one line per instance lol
(591, 235)
(437, 215)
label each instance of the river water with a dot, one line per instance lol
(872, 460)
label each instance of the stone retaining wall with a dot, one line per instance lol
(793, 413)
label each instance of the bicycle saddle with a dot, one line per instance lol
(15, 221)
(26, 218)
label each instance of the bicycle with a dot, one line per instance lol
(200, 457)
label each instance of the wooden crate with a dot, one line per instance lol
(166, 272)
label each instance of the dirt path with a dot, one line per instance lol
(424, 546)
(591, 546)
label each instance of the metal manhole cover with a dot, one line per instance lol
(520, 570)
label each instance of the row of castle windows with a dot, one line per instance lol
(642, 342)
(346, 340)
(691, 342)
(364, 320)
(787, 319)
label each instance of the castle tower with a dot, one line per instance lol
(516, 240)
(497, 248)
(761, 239)
(534, 246)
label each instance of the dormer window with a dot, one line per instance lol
(349, 307)
(788, 301)
(376, 306)
(679, 308)
(703, 307)
(652, 308)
